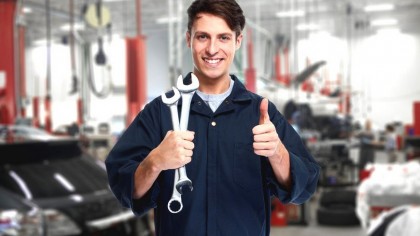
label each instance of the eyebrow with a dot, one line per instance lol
(202, 32)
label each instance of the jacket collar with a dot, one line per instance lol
(239, 94)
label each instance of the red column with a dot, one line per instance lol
(21, 67)
(250, 73)
(136, 76)
(416, 114)
(35, 112)
(7, 62)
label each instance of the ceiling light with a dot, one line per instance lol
(388, 31)
(114, 0)
(379, 7)
(307, 27)
(296, 13)
(76, 26)
(384, 22)
(166, 20)
(26, 10)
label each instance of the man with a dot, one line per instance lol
(238, 153)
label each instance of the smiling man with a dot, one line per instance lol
(239, 150)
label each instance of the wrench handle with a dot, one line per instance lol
(183, 181)
(174, 117)
(175, 203)
(185, 110)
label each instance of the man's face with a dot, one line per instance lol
(213, 45)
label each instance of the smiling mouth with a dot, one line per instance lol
(212, 61)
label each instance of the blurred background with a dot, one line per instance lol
(74, 73)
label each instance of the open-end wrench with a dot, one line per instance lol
(187, 92)
(175, 203)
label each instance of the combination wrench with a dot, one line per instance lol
(187, 91)
(180, 178)
(175, 203)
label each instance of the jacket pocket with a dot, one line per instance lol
(247, 167)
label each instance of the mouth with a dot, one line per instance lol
(212, 62)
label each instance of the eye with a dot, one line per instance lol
(202, 37)
(225, 37)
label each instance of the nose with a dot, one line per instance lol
(212, 47)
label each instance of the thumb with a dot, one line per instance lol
(264, 117)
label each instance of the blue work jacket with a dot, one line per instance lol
(232, 185)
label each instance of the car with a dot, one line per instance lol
(19, 216)
(19, 133)
(69, 186)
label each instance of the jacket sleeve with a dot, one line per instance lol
(142, 135)
(304, 169)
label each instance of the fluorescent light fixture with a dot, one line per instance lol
(297, 13)
(40, 42)
(76, 26)
(384, 22)
(76, 197)
(22, 184)
(388, 31)
(64, 182)
(379, 7)
(166, 20)
(26, 10)
(307, 27)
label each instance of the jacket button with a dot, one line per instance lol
(199, 103)
(213, 123)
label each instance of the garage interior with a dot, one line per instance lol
(75, 73)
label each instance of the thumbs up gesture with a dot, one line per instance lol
(266, 140)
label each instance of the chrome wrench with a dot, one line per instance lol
(187, 92)
(175, 203)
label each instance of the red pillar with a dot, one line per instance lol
(22, 79)
(416, 114)
(136, 76)
(8, 111)
(250, 73)
(35, 112)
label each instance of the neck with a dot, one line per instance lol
(214, 85)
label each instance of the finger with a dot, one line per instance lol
(264, 128)
(261, 146)
(187, 135)
(188, 153)
(266, 137)
(264, 117)
(188, 145)
(265, 153)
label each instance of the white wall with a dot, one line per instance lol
(384, 75)
(64, 105)
(385, 78)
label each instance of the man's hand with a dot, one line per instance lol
(267, 143)
(266, 140)
(175, 150)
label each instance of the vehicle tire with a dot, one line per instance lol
(338, 197)
(338, 215)
(141, 227)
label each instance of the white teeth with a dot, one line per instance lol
(214, 61)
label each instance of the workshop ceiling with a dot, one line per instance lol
(333, 16)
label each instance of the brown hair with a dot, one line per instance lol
(229, 10)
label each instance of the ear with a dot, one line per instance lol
(188, 38)
(239, 41)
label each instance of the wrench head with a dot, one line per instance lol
(186, 88)
(181, 186)
(171, 100)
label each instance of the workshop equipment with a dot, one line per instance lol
(187, 92)
(175, 203)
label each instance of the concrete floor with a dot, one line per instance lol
(313, 229)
